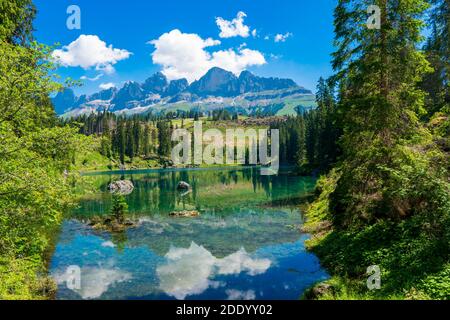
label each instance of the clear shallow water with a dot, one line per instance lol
(243, 246)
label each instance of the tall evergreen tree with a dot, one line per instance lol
(146, 141)
(121, 141)
(129, 147)
(377, 71)
(328, 128)
(164, 138)
(437, 49)
(137, 137)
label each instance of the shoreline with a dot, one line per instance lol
(88, 173)
(167, 169)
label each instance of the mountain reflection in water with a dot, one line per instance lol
(243, 246)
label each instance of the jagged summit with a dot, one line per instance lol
(216, 84)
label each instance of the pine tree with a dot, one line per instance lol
(119, 208)
(129, 147)
(440, 17)
(146, 140)
(137, 137)
(437, 49)
(328, 133)
(121, 141)
(312, 138)
(164, 139)
(377, 72)
(300, 155)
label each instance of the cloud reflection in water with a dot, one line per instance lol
(189, 271)
(95, 280)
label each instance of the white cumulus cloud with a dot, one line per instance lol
(106, 86)
(237, 61)
(184, 55)
(282, 37)
(233, 28)
(90, 51)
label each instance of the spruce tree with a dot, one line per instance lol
(377, 71)
(437, 49)
(164, 138)
(146, 140)
(130, 146)
(137, 137)
(121, 140)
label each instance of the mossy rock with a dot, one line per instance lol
(185, 214)
(111, 224)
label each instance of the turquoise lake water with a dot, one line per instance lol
(245, 245)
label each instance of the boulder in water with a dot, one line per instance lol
(185, 214)
(111, 224)
(183, 186)
(123, 187)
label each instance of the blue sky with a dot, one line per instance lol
(116, 39)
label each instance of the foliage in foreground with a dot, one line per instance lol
(413, 253)
(36, 157)
(387, 202)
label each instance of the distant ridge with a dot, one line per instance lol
(216, 85)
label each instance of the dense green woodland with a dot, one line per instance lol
(386, 200)
(307, 141)
(379, 139)
(123, 139)
(34, 153)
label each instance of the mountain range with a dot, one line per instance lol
(217, 89)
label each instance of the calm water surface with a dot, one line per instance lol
(245, 244)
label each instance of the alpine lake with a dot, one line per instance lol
(246, 242)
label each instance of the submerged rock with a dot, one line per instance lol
(185, 214)
(123, 187)
(111, 224)
(183, 186)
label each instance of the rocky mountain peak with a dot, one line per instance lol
(156, 84)
(216, 82)
(107, 94)
(177, 86)
(64, 100)
(157, 89)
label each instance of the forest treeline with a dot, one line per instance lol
(124, 138)
(307, 140)
(310, 140)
